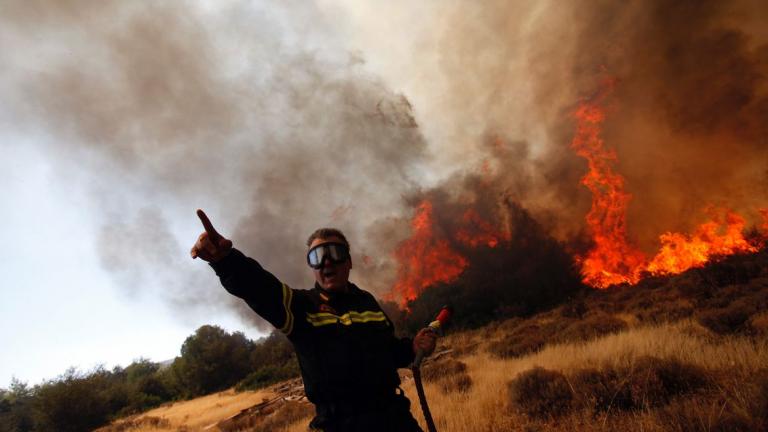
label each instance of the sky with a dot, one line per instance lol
(119, 119)
(59, 308)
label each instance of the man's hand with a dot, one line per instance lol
(210, 246)
(425, 341)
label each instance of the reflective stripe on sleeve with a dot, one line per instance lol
(287, 328)
(349, 318)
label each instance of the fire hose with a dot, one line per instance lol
(435, 326)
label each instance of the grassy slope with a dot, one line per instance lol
(710, 324)
(192, 415)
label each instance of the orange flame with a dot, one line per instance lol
(423, 259)
(476, 231)
(680, 252)
(612, 260)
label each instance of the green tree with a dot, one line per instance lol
(16, 407)
(76, 401)
(212, 360)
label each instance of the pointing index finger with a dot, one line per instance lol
(207, 224)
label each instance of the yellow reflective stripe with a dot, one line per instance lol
(287, 297)
(325, 318)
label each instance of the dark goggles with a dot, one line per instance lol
(334, 252)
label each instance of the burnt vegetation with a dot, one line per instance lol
(511, 278)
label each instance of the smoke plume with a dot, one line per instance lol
(282, 117)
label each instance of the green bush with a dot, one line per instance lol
(268, 375)
(75, 401)
(212, 360)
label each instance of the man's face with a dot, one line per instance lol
(332, 276)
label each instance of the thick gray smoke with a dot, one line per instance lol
(687, 117)
(280, 117)
(253, 112)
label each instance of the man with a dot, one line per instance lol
(344, 342)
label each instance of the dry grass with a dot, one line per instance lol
(190, 416)
(483, 407)
(283, 416)
(730, 399)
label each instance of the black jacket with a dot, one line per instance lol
(344, 342)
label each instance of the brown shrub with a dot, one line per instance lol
(516, 345)
(654, 381)
(465, 349)
(138, 423)
(540, 393)
(592, 327)
(525, 338)
(507, 326)
(758, 324)
(600, 390)
(759, 409)
(442, 369)
(575, 309)
(649, 383)
(283, 415)
(692, 415)
(450, 374)
(669, 311)
(460, 382)
(728, 320)
(691, 285)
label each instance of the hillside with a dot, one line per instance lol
(685, 353)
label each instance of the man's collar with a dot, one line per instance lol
(331, 294)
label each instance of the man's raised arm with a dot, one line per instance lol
(244, 277)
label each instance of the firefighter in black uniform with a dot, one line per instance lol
(344, 342)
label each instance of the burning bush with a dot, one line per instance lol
(541, 393)
(519, 271)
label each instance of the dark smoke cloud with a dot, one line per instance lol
(687, 117)
(514, 265)
(254, 112)
(690, 109)
(260, 114)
